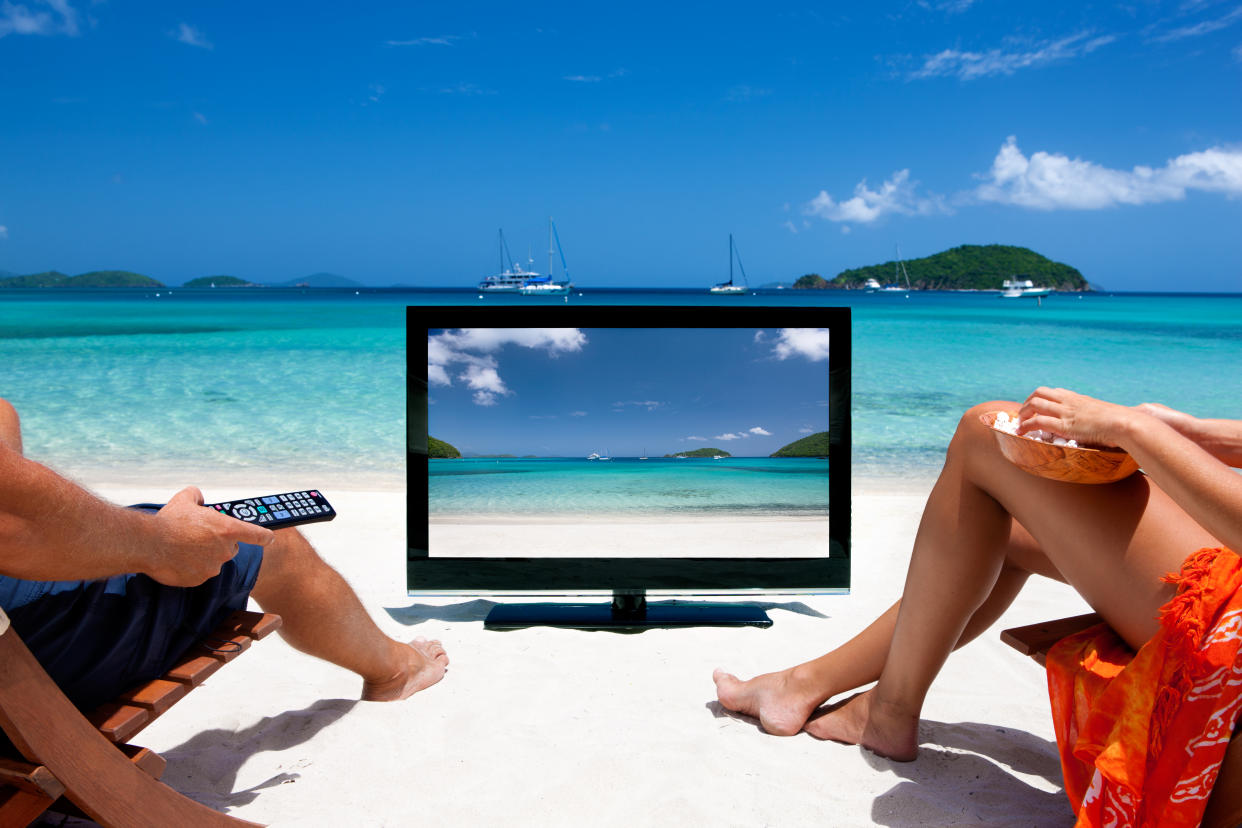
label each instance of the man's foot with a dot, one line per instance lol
(862, 720)
(425, 663)
(776, 699)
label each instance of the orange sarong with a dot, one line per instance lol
(1142, 735)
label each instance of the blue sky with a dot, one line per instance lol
(567, 392)
(389, 142)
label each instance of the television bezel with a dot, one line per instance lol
(432, 575)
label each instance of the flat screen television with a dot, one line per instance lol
(579, 452)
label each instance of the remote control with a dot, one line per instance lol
(278, 511)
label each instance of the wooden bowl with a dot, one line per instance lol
(1064, 463)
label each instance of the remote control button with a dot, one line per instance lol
(244, 512)
(281, 515)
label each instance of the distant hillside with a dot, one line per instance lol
(320, 280)
(439, 448)
(703, 452)
(815, 445)
(218, 281)
(94, 279)
(969, 267)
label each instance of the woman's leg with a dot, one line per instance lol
(1112, 543)
(783, 701)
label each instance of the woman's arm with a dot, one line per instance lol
(1220, 438)
(1199, 482)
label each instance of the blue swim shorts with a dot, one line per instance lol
(96, 639)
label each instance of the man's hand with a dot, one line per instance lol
(192, 543)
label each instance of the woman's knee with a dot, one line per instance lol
(971, 433)
(10, 426)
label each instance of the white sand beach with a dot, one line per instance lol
(555, 727)
(617, 537)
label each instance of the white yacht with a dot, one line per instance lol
(510, 279)
(1022, 288)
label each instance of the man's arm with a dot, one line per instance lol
(51, 529)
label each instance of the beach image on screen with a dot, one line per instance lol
(628, 442)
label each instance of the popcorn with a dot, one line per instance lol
(1004, 422)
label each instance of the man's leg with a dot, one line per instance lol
(324, 618)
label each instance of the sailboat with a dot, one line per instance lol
(899, 270)
(545, 285)
(728, 287)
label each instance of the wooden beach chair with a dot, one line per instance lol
(82, 764)
(1224, 808)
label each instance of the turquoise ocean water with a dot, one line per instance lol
(574, 487)
(241, 380)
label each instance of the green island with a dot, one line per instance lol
(815, 445)
(703, 452)
(441, 450)
(218, 282)
(94, 279)
(968, 267)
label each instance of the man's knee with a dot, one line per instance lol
(288, 554)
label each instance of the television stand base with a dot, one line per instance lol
(628, 610)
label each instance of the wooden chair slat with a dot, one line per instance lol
(156, 696)
(120, 722)
(194, 669)
(29, 777)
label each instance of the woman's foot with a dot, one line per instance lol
(779, 701)
(423, 664)
(863, 720)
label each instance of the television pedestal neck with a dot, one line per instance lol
(629, 610)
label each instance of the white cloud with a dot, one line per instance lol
(650, 405)
(699, 439)
(810, 343)
(971, 65)
(1197, 29)
(190, 36)
(806, 430)
(4, 232)
(17, 18)
(577, 413)
(896, 195)
(473, 349)
(761, 431)
(1047, 181)
(200, 117)
(729, 436)
(584, 78)
(442, 40)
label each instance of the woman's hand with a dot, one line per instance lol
(1075, 417)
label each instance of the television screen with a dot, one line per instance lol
(574, 450)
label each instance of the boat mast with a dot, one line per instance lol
(730, 258)
(549, 247)
(557, 236)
